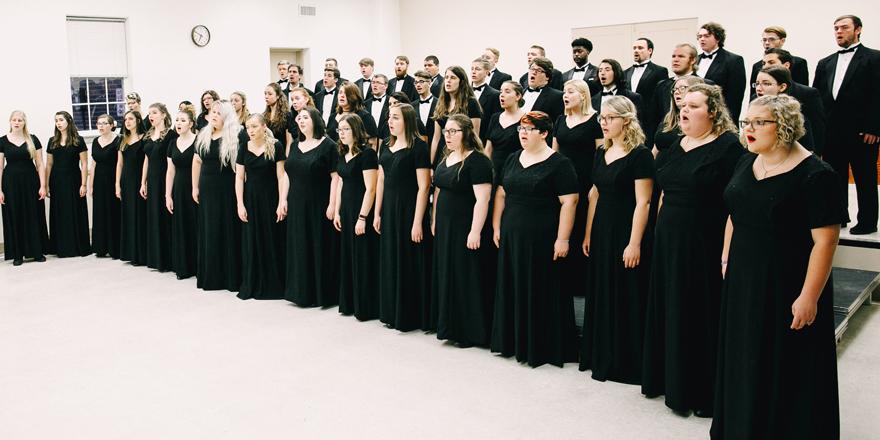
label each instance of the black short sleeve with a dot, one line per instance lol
(242, 150)
(824, 204)
(369, 124)
(81, 145)
(731, 156)
(37, 144)
(507, 164)
(51, 150)
(643, 163)
(479, 168)
(280, 155)
(369, 161)
(331, 155)
(421, 155)
(473, 109)
(243, 138)
(558, 123)
(169, 153)
(564, 178)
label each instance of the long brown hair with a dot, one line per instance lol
(469, 139)
(166, 120)
(352, 97)
(410, 124)
(357, 131)
(71, 133)
(138, 128)
(461, 98)
(282, 110)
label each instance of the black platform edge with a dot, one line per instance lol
(859, 243)
(872, 289)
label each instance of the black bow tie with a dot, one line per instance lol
(379, 98)
(368, 80)
(479, 88)
(329, 91)
(609, 93)
(707, 55)
(535, 90)
(580, 69)
(425, 101)
(850, 50)
(636, 66)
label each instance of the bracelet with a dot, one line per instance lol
(362, 217)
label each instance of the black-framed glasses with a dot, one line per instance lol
(524, 129)
(451, 131)
(679, 89)
(343, 130)
(608, 119)
(763, 84)
(755, 123)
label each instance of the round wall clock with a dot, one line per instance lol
(201, 36)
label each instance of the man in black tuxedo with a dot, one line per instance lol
(363, 83)
(432, 66)
(643, 76)
(425, 105)
(580, 54)
(555, 78)
(402, 82)
(849, 82)
(539, 96)
(294, 79)
(377, 104)
(329, 63)
(613, 84)
(282, 66)
(724, 68)
(773, 37)
(326, 96)
(496, 77)
(684, 63)
(485, 94)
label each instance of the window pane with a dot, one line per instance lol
(81, 116)
(97, 90)
(114, 90)
(117, 110)
(78, 90)
(95, 111)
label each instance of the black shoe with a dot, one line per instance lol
(17, 262)
(862, 230)
(40, 259)
(704, 413)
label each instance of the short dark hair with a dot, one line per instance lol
(716, 30)
(539, 120)
(319, 129)
(366, 62)
(857, 22)
(332, 59)
(299, 69)
(583, 42)
(400, 97)
(648, 41)
(784, 55)
(336, 73)
(403, 58)
(545, 64)
(422, 74)
(535, 46)
(433, 59)
(619, 77)
(780, 74)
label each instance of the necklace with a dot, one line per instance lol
(764, 167)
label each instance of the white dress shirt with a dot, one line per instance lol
(477, 93)
(376, 109)
(327, 106)
(366, 86)
(398, 85)
(705, 63)
(637, 74)
(843, 60)
(530, 97)
(612, 90)
(425, 108)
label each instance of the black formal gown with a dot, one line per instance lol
(614, 312)
(282, 127)
(505, 140)
(133, 233)
(184, 221)
(24, 215)
(359, 263)
(664, 139)
(219, 228)
(578, 144)
(681, 324)
(459, 276)
(473, 111)
(404, 266)
(533, 315)
(68, 212)
(262, 239)
(105, 205)
(366, 118)
(774, 382)
(312, 242)
(158, 217)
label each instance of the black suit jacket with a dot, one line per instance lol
(555, 82)
(648, 83)
(360, 84)
(814, 116)
(408, 88)
(729, 71)
(591, 76)
(498, 78)
(634, 97)
(436, 82)
(549, 101)
(285, 86)
(857, 107)
(426, 129)
(799, 73)
(382, 123)
(321, 96)
(489, 104)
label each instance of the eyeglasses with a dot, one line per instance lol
(763, 84)
(537, 70)
(451, 131)
(755, 123)
(343, 129)
(524, 129)
(679, 89)
(608, 119)
(422, 81)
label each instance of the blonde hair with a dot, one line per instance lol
(268, 137)
(633, 136)
(229, 134)
(789, 119)
(717, 109)
(31, 146)
(670, 121)
(586, 99)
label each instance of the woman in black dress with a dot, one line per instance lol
(404, 245)
(668, 132)
(207, 101)
(178, 195)
(350, 102)
(22, 193)
(359, 249)
(300, 98)
(463, 182)
(502, 137)
(456, 96)
(310, 189)
(67, 172)
(577, 134)
(133, 211)
(156, 143)
(278, 116)
(532, 219)
(213, 183)
(681, 325)
(617, 277)
(102, 176)
(777, 359)
(259, 175)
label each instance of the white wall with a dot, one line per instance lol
(459, 38)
